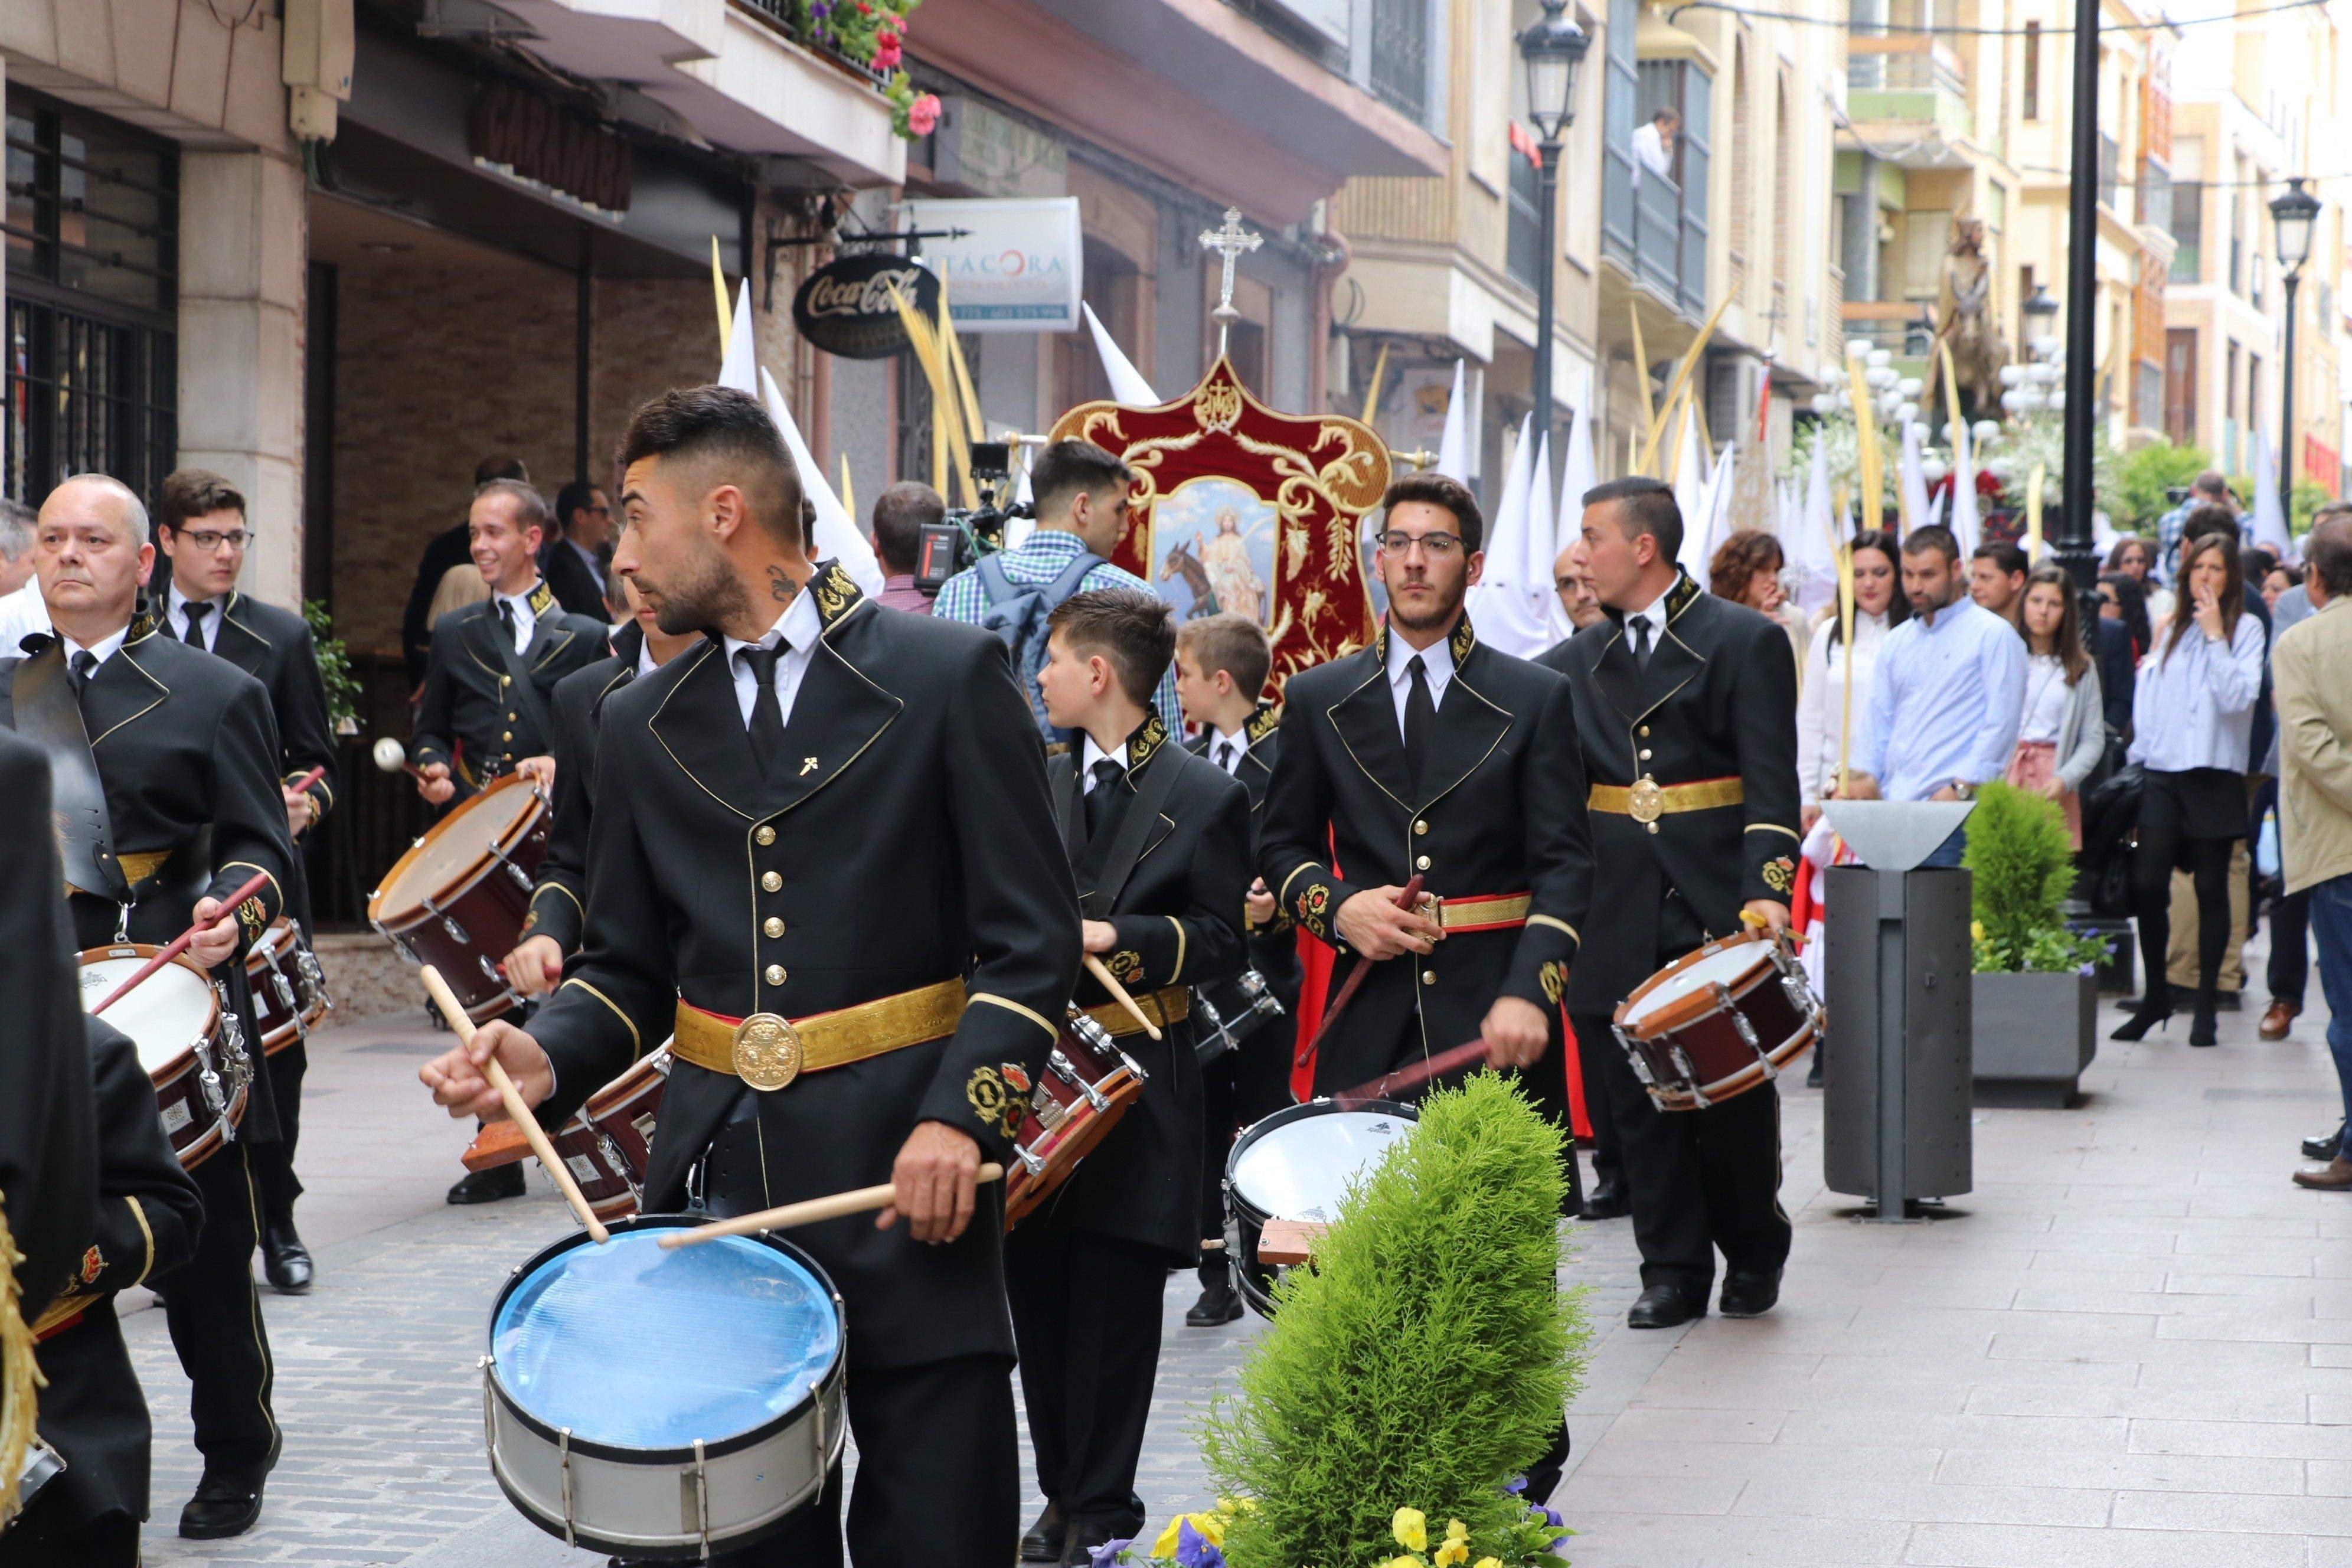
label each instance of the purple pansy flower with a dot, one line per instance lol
(1106, 1555)
(1193, 1549)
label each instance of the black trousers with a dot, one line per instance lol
(1700, 1181)
(2290, 963)
(2187, 821)
(273, 1163)
(1085, 1314)
(214, 1315)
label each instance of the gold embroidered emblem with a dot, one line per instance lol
(835, 593)
(1261, 723)
(767, 1052)
(1646, 801)
(991, 1101)
(1218, 405)
(1553, 976)
(808, 767)
(1779, 875)
(1145, 741)
(542, 599)
(1126, 967)
(1461, 642)
(93, 1264)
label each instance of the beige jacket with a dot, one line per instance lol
(2311, 672)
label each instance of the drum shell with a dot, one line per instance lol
(1076, 1125)
(645, 1502)
(608, 1143)
(1245, 1221)
(193, 1129)
(487, 905)
(288, 998)
(1709, 1050)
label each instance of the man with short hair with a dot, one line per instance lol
(2315, 708)
(901, 512)
(2211, 488)
(1081, 493)
(1996, 578)
(165, 761)
(21, 611)
(1572, 580)
(1654, 144)
(450, 547)
(1685, 713)
(199, 524)
(822, 810)
(573, 556)
(1947, 697)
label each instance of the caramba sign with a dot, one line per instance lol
(1018, 268)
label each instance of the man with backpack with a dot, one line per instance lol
(1081, 500)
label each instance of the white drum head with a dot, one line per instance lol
(1727, 968)
(452, 848)
(1301, 1169)
(164, 1017)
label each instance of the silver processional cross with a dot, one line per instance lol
(1232, 242)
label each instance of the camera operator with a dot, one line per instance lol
(900, 514)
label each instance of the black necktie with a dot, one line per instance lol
(1225, 755)
(1641, 641)
(80, 668)
(506, 621)
(195, 610)
(1107, 773)
(767, 713)
(1420, 718)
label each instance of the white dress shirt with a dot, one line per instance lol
(175, 617)
(799, 627)
(1227, 751)
(2047, 698)
(1654, 611)
(648, 664)
(526, 619)
(22, 614)
(2196, 710)
(1945, 699)
(1089, 754)
(1437, 668)
(1820, 699)
(595, 567)
(101, 650)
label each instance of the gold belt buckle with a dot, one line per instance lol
(767, 1051)
(1647, 800)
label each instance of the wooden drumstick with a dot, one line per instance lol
(808, 1211)
(179, 944)
(392, 758)
(463, 1028)
(1104, 978)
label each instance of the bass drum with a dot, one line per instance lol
(458, 898)
(1297, 1164)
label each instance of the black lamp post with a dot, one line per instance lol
(1553, 47)
(2070, 532)
(2292, 212)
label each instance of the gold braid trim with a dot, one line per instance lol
(19, 1375)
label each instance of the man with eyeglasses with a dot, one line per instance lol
(201, 529)
(572, 560)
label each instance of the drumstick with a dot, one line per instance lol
(392, 758)
(1407, 897)
(179, 943)
(1412, 1074)
(1104, 978)
(808, 1211)
(463, 1028)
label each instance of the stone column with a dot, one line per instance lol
(244, 239)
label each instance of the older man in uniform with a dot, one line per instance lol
(825, 809)
(1685, 705)
(165, 762)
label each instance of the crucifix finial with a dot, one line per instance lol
(1232, 242)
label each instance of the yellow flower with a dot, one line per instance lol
(1404, 1562)
(1411, 1528)
(1453, 1553)
(1456, 1531)
(1490, 1563)
(1209, 1527)
(1976, 930)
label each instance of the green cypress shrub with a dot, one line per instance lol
(2023, 865)
(1425, 1360)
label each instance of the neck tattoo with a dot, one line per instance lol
(781, 587)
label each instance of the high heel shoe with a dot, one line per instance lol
(2201, 1030)
(2154, 1009)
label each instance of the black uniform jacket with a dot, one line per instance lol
(1501, 811)
(902, 839)
(185, 747)
(1178, 913)
(1717, 700)
(559, 900)
(467, 706)
(274, 646)
(47, 1156)
(575, 585)
(1272, 949)
(149, 1215)
(450, 547)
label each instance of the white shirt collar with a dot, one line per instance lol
(180, 602)
(522, 602)
(1654, 611)
(1238, 740)
(1090, 753)
(1436, 661)
(646, 664)
(102, 649)
(798, 625)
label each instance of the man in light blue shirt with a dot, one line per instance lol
(1947, 695)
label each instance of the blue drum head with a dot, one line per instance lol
(631, 1346)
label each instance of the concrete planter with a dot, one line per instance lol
(2032, 1036)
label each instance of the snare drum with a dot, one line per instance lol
(1719, 1021)
(608, 1142)
(290, 990)
(1087, 1085)
(191, 1045)
(1297, 1164)
(654, 1404)
(1231, 1012)
(458, 898)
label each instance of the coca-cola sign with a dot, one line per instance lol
(846, 308)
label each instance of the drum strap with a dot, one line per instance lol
(526, 695)
(49, 715)
(1127, 844)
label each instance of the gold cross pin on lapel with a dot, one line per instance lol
(808, 767)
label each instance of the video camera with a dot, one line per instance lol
(970, 532)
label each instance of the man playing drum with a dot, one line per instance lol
(825, 810)
(1686, 708)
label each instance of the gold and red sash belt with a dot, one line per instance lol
(1483, 911)
(1169, 1004)
(1647, 800)
(62, 1314)
(768, 1051)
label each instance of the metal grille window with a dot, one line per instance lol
(2188, 232)
(2109, 154)
(92, 366)
(1523, 254)
(1401, 56)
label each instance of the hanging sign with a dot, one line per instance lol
(1018, 267)
(845, 309)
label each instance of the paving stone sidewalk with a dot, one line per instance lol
(2130, 1347)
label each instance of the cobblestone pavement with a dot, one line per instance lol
(2130, 1347)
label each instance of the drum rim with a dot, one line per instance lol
(1679, 1014)
(412, 915)
(143, 952)
(752, 1438)
(1321, 1105)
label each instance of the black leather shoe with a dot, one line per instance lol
(284, 1260)
(1749, 1295)
(1219, 1304)
(225, 1505)
(488, 1186)
(2326, 1148)
(1078, 1551)
(1041, 1541)
(1607, 1200)
(1665, 1307)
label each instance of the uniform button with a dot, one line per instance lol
(1429, 977)
(511, 718)
(1645, 731)
(775, 975)
(1421, 827)
(506, 680)
(770, 883)
(506, 734)
(772, 926)
(765, 836)
(1645, 753)
(1652, 827)
(1422, 863)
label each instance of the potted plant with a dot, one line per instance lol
(2036, 990)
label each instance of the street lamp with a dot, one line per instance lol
(2041, 307)
(1553, 47)
(2292, 212)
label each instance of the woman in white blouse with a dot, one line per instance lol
(1878, 609)
(2063, 733)
(2192, 720)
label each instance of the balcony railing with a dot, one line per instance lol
(1905, 64)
